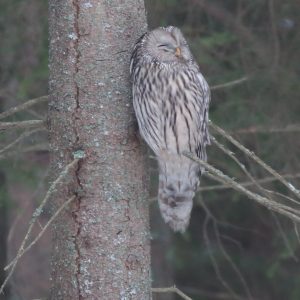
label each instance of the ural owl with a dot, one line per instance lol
(170, 99)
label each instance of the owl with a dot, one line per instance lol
(171, 99)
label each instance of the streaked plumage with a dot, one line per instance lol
(171, 98)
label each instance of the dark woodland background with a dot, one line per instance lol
(233, 245)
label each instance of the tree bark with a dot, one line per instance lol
(101, 243)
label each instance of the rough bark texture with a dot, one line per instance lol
(101, 244)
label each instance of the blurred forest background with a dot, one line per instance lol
(234, 248)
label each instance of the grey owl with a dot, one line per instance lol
(170, 99)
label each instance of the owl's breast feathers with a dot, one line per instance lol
(172, 108)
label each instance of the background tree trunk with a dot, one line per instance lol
(101, 244)
(3, 231)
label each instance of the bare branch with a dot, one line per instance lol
(255, 129)
(41, 232)
(229, 84)
(210, 295)
(36, 147)
(172, 289)
(22, 124)
(233, 157)
(35, 215)
(272, 205)
(207, 242)
(231, 262)
(282, 196)
(256, 159)
(20, 138)
(284, 237)
(297, 232)
(246, 184)
(242, 166)
(255, 182)
(26, 205)
(23, 106)
(274, 33)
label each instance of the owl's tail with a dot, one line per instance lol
(178, 181)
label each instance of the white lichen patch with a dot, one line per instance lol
(107, 26)
(127, 295)
(87, 5)
(119, 240)
(87, 286)
(112, 257)
(133, 292)
(73, 36)
(78, 154)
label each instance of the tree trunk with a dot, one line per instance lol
(101, 243)
(3, 230)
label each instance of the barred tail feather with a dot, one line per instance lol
(178, 181)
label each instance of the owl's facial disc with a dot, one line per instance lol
(167, 46)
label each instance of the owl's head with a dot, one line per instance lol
(167, 45)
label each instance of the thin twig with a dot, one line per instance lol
(282, 196)
(248, 183)
(20, 138)
(36, 193)
(61, 208)
(35, 215)
(284, 237)
(23, 106)
(233, 157)
(36, 147)
(297, 232)
(274, 33)
(258, 129)
(209, 215)
(35, 114)
(229, 84)
(243, 168)
(231, 262)
(172, 289)
(267, 195)
(22, 124)
(272, 205)
(226, 224)
(210, 295)
(207, 242)
(256, 159)
(267, 202)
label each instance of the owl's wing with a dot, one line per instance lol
(147, 111)
(203, 100)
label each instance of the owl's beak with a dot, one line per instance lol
(178, 52)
